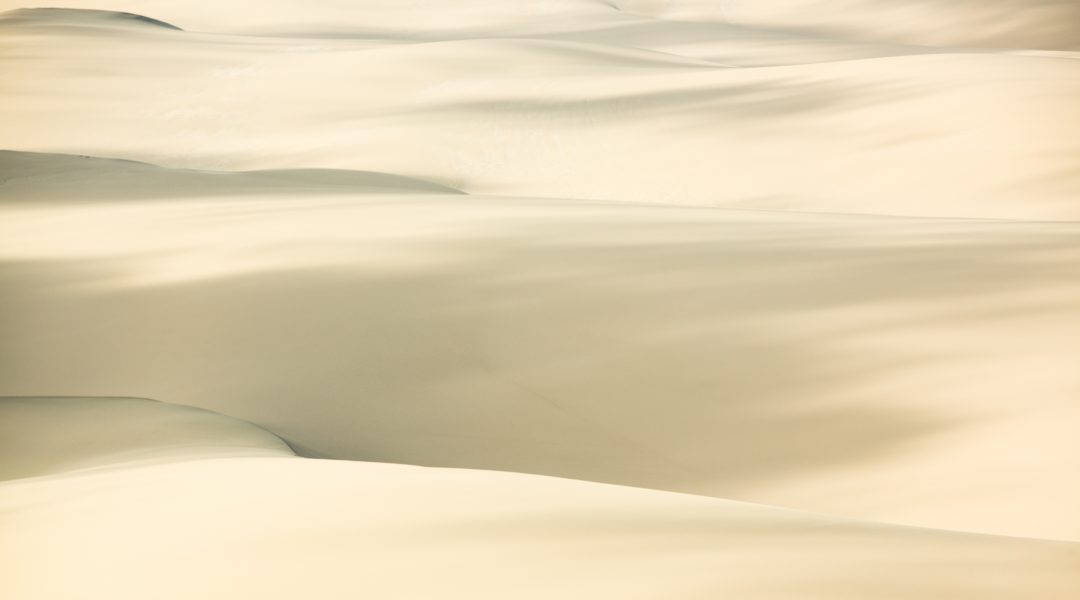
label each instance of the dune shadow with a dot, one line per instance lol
(29, 177)
(679, 349)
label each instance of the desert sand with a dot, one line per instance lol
(574, 298)
(169, 502)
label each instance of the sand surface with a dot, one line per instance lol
(171, 520)
(814, 254)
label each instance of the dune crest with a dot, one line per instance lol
(506, 114)
(83, 17)
(49, 436)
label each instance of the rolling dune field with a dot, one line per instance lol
(506, 299)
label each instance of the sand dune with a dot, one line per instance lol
(1050, 24)
(834, 363)
(27, 177)
(955, 134)
(279, 527)
(818, 254)
(1033, 24)
(50, 436)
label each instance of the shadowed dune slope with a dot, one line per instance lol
(827, 362)
(26, 176)
(278, 527)
(1043, 24)
(53, 436)
(82, 17)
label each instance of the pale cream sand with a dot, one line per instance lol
(906, 131)
(918, 371)
(818, 254)
(181, 523)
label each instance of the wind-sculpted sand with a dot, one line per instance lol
(165, 518)
(818, 254)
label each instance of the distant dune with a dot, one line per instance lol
(904, 132)
(1045, 24)
(813, 254)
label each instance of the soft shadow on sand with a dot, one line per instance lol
(734, 353)
(30, 177)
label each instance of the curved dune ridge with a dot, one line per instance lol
(813, 254)
(50, 436)
(949, 134)
(27, 176)
(82, 18)
(197, 513)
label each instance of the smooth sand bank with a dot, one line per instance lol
(188, 525)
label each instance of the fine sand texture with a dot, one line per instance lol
(161, 501)
(579, 299)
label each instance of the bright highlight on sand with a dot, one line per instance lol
(515, 299)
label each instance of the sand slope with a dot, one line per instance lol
(1048, 24)
(956, 133)
(834, 363)
(26, 177)
(820, 254)
(190, 526)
